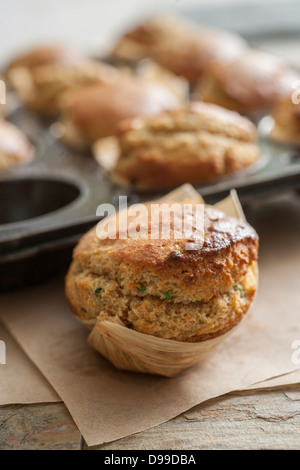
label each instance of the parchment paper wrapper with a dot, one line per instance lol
(137, 352)
(134, 351)
(106, 154)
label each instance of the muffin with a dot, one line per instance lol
(150, 71)
(138, 43)
(41, 88)
(15, 148)
(255, 81)
(94, 111)
(180, 46)
(190, 289)
(193, 53)
(45, 55)
(286, 127)
(193, 143)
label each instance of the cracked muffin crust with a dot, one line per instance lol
(159, 287)
(193, 143)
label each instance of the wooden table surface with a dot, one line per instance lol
(260, 419)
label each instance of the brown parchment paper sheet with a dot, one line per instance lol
(20, 380)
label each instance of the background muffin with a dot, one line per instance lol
(194, 143)
(41, 88)
(45, 55)
(138, 43)
(150, 71)
(159, 287)
(255, 81)
(15, 148)
(193, 53)
(180, 46)
(286, 126)
(94, 112)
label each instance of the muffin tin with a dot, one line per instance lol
(47, 204)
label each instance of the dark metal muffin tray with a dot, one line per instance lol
(49, 203)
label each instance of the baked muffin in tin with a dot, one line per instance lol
(43, 55)
(179, 45)
(95, 111)
(193, 143)
(41, 86)
(253, 82)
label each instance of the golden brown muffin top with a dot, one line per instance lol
(198, 266)
(42, 88)
(155, 249)
(194, 117)
(13, 142)
(193, 143)
(45, 55)
(152, 30)
(97, 110)
(256, 79)
(179, 45)
(50, 74)
(138, 42)
(192, 54)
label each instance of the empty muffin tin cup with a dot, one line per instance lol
(27, 205)
(28, 198)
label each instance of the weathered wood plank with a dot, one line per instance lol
(41, 426)
(255, 420)
(245, 420)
